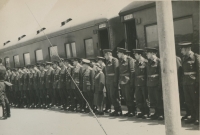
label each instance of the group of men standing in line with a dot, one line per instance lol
(139, 79)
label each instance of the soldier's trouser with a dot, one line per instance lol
(127, 93)
(71, 97)
(78, 98)
(155, 97)
(62, 95)
(89, 95)
(56, 95)
(141, 94)
(113, 94)
(192, 100)
(107, 100)
(7, 105)
(51, 94)
(2, 101)
(37, 94)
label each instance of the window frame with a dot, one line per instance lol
(36, 55)
(70, 48)
(15, 61)
(5, 61)
(24, 58)
(50, 51)
(86, 49)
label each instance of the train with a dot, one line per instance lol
(134, 27)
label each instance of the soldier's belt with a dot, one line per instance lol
(110, 74)
(140, 76)
(189, 73)
(124, 74)
(155, 75)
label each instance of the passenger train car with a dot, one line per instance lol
(135, 27)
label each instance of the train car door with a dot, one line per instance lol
(103, 36)
(130, 32)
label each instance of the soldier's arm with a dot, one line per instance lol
(116, 70)
(197, 67)
(92, 79)
(80, 79)
(160, 75)
(132, 71)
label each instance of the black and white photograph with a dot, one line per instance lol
(99, 67)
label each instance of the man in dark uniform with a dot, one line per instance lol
(2, 89)
(141, 93)
(88, 84)
(16, 85)
(69, 93)
(56, 75)
(9, 90)
(43, 94)
(154, 84)
(76, 75)
(112, 78)
(126, 80)
(36, 73)
(191, 67)
(61, 84)
(49, 82)
(25, 88)
(31, 91)
(21, 82)
(101, 62)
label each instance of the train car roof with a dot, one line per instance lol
(136, 6)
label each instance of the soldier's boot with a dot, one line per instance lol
(127, 114)
(8, 110)
(196, 122)
(190, 121)
(155, 115)
(114, 112)
(119, 111)
(141, 114)
(4, 112)
(132, 111)
(160, 114)
(146, 113)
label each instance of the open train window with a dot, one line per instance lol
(16, 61)
(27, 60)
(39, 55)
(89, 48)
(70, 50)
(183, 30)
(7, 62)
(53, 52)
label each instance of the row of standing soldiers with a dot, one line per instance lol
(61, 84)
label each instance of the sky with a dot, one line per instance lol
(17, 16)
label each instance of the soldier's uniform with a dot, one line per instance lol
(154, 86)
(26, 97)
(108, 102)
(31, 90)
(112, 78)
(49, 83)
(61, 85)
(43, 94)
(126, 81)
(36, 86)
(191, 67)
(2, 90)
(56, 74)
(76, 75)
(21, 82)
(16, 85)
(141, 93)
(12, 96)
(70, 94)
(88, 85)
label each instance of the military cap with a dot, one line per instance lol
(107, 50)
(139, 51)
(42, 64)
(48, 63)
(75, 59)
(8, 68)
(100, 58)
(150, 49)
(92, 59)
(67, 60)
(86, 61)
(121, 50)
(55, 61)
(185, 44)
(61, 59)
(128, 52)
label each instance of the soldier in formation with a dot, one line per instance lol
(84, 85)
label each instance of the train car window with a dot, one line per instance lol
(183, 29)
(27, 60)
(68, 50)
(7, 62)
(39, 55)
(16, 61)
(152, 36)
(53, 51)
(73, 48)
(89, 48)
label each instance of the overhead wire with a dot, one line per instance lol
(68, 72)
